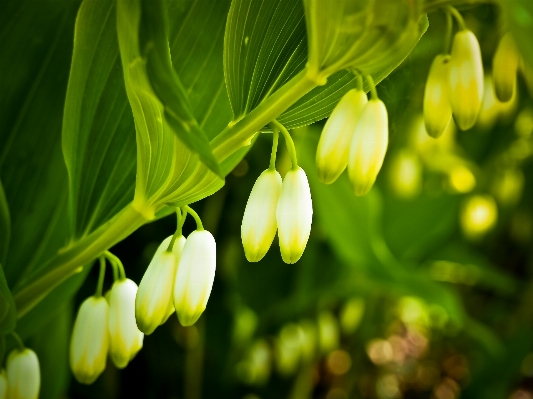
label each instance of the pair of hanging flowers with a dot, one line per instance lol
(178, 279)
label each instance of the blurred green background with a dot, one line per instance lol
(397, 294)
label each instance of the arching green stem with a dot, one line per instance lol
(199, 225)
(449, 30)
(179, 229)
(114, 260)
(458, 17)
(275, 138)
(101, 276)
(19, 341)
(373, 91)
(288, 141)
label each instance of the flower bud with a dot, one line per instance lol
(3, 384)
(437, 107)
(466, 79)
(125, 339)
(153, 303)
(334, 145)
(294, 215)
(195, 276)
(23, 374)
(259, 226)
(368, 147)
(504, 68)
(90, 340)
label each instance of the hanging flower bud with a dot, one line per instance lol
(334, 145)
(504, 68)
(125, 339)
(195, 276)
(259, 226)
(437, 107)
(154, 297)
(23, 374)
(368, 147)
(294, 215)
(466, 79)
(3, 384)
(90, 340)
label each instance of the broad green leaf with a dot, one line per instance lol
(167, 171)
(36, 55)
(5, 225)
(8, 311)
(264, 46)
(167, 85)
(98, 132)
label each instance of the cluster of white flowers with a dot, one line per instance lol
(22, 377)
(179, 278)
(356, 136)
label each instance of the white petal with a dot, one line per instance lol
(23, 374)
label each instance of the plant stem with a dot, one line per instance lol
(239, 134)
(458, 17)
(117, 263)
(199, 225)
(71, 260)
(101, 276)
(288, 141)
(360, 81)
(20, 343)
(275, 138)
(449, 30)
(179, 228)
(373, 91)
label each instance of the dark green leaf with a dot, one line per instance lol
(8, 312)
(5, 225)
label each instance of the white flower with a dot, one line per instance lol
(153, 303)
(294, 215)
(125, 339)
(3, 384)
(437, 107)
(466, 79)
(23, 374)
(195, 276)
(334, 145)
(90, 340)
(504, 68)
(369, 145)
(259, 226)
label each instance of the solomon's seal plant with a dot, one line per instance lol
(153, 120)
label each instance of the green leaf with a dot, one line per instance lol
(167, 85)
(36, 55)
(98, 132)
(167, 171)
(8, 311)
(5, 225)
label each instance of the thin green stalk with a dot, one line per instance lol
(116, 261)
(19, 341)
(179, 228)
(458, 17)
(373, 91)
(275, 138)
(449, 30)
(199, 225)
(239, 133)
(71, 260)
(288, 141)
(359, 81)
(101, 276)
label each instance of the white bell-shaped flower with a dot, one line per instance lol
(466, 79)
(195, 276)
(3, 384)
(294, 215)
(505, 67)
(437, 107)
(125, 339)
(23, 374)
(154, 297)
(90, 340)
(334, 145)
(259, 226)
(369, 145)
